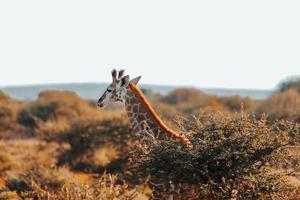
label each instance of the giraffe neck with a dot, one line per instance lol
(144, 119)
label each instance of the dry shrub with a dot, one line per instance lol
(189, 101)
(7, 117)
(184, 101)
(5, 161)
(48, 178)
(87, 138)
(60, 183)
(165, 110)
(105, 154)
(292, 83)
(8, 107)
(8, 195)
(184, 95)
(231, 156)
(237, 103)
(19, 155)
(54, 111)
(282, 105)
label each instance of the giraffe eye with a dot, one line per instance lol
(109, 90)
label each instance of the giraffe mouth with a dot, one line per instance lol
(100, 105)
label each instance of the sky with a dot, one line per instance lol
(217, 44)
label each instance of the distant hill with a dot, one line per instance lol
(94, 90)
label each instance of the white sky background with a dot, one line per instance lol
(228, 44)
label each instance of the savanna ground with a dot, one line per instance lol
(62, 147)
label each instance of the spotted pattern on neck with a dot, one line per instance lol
(144, 119)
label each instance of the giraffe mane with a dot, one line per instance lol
(157, 119)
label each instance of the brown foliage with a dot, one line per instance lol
(8, 107)
(293, 83)
(60, 183)
(237, 103)
(55, 111)
(282, 105)
(191, 101)
(230, 153)
(89, 137)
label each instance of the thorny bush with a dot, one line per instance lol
(232, 156)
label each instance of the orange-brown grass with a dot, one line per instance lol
(60, 183)
(8, 109)
(31, 172)
(22, 154)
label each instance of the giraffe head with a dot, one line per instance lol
(117, 90)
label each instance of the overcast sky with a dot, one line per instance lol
(228, 44)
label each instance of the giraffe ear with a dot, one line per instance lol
(114, 75)
(136, 80)
(125, 80)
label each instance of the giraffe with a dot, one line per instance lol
(142, 117)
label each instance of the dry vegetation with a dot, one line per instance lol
(8, 108)
(282, 105)
(61, 147)
(230, 154)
